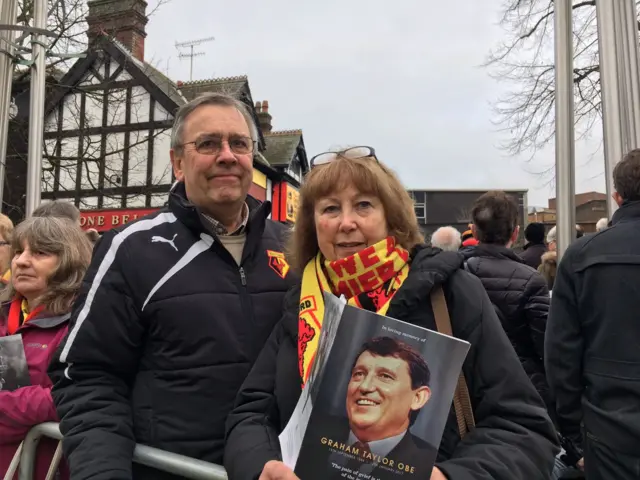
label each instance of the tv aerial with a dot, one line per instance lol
(191, 53)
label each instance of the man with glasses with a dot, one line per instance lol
(175, 309)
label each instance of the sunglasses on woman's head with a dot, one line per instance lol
(352, 153)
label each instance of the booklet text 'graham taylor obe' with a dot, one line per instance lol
(376, 401)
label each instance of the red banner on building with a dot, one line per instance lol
(103, 220)
(285, 202)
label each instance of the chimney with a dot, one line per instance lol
(264, 117)
(124, 20)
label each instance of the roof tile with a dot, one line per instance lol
(281, 146)
(228, 85)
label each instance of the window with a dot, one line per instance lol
(136, 201)
(420, 205)
(159, 199)
(295, 169)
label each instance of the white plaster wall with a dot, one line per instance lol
(90, 164)
(123, 76)
(100, 67)
(48, 176)
(89, 78)
(136, 201)
(161, 158)
(158, 199)
(111, 202)
(88, 203)
(51, 122)
(161, 113)
(92, 110)
(114, 66)
(114, 160)
(138, 159)
(71, 112)
(68, 164)
(117, 107)
(139, 105)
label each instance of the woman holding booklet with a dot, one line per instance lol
(357, 236)
(49, 259)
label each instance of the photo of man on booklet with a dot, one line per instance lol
(388, 387)
(383, 397)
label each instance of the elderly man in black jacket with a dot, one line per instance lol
(518, 292)
(175, 308)
(593, 338)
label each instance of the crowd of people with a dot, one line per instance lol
(183, 330)
(578, 350)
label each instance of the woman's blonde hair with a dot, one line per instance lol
(61, 237)
(369, 177)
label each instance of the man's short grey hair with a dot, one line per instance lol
(447, 238)
(552, 236)
(217, 99)
(602, 224)
(58, 209)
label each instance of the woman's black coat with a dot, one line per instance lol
(513, 438)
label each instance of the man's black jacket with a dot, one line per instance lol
(164, 331)
(593, 335)
(521, 296)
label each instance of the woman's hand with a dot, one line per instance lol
(436, 474)
(274, 470)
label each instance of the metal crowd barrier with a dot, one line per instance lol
(151, 457)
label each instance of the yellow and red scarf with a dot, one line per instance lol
(19, 310)
(368, 279)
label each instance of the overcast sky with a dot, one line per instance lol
(403, 77)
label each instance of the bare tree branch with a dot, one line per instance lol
(525, 62)
(89, 153)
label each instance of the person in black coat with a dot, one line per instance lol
(174, 309)
(535, 246)
(518, 292)
(350, 205)
(592, 345)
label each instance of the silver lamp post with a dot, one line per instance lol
(8, 14)
(565, 130)
(619, 73)
(36, 107)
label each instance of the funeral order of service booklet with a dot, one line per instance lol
(376, 401)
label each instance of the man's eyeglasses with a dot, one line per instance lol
(352, 153)
(212, 144)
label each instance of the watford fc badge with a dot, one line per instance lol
(277, 263)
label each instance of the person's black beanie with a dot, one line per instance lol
(534, 233)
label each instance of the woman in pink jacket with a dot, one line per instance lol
(49, 259)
